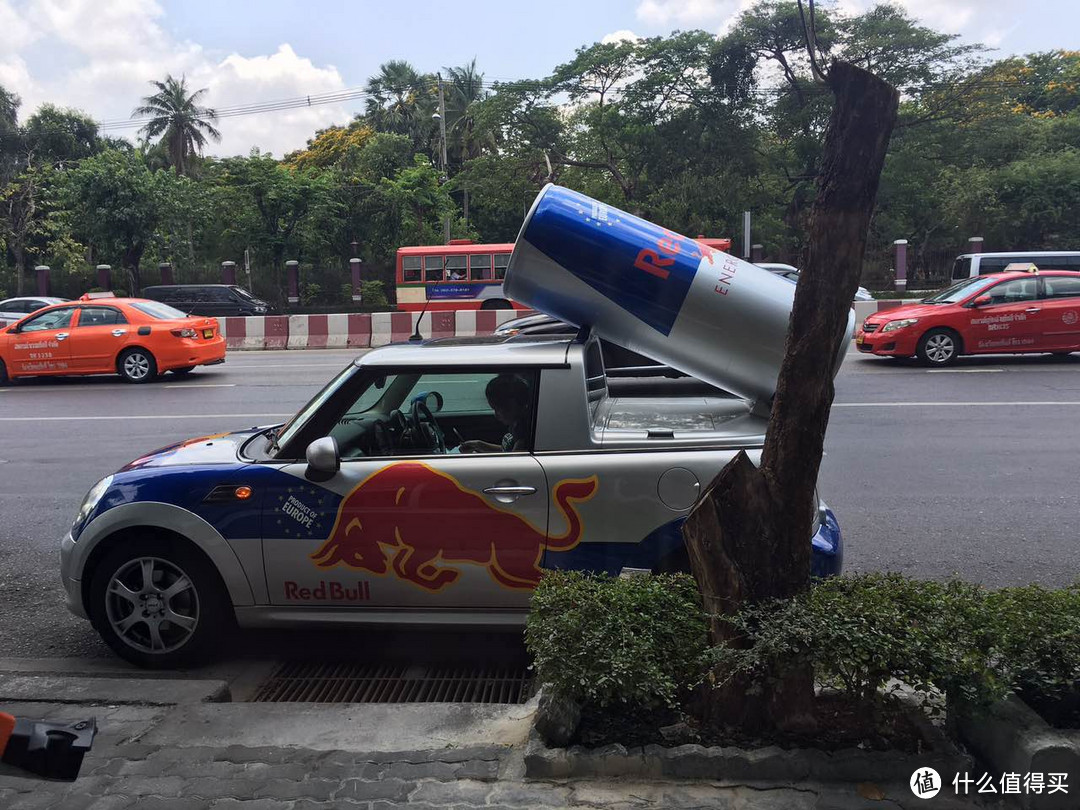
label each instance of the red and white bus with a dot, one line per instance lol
(463, 275)
(460, 275)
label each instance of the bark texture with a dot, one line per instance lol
(748, 535)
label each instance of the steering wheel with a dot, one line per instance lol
(419, 414)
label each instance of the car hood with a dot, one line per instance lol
(218, 448)
(906, 311)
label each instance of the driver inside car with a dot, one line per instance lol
(509, 397)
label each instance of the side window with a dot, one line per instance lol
(961, 268)
(1061, 287)
(501, 262)
(101, 316)
(1014, 292)
(480, 267)
(456, 268)
(433, 268)
(220, 295)
(992, 265)
(410, 269)
(410, 414)
(53, 319)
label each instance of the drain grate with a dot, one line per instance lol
(353, 682)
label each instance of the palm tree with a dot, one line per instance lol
(176, 116)
(401, 101)
(465, 92)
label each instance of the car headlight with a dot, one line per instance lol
(892, 326)
(89, 502)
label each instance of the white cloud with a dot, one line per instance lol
(622, 35)
(684, 12)
(111, 51)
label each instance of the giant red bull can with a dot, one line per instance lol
(653, 291)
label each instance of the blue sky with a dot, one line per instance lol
(98, 55)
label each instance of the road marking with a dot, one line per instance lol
(948, 404)
(154, 416)
(963, 370)
(200, 385)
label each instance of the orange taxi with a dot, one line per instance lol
(101, 334)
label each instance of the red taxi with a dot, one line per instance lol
(1002, 313)
(99, 334)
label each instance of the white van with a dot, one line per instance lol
(969, 265)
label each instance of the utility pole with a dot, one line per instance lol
(442, 141)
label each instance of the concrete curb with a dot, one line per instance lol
(771, 764)
(20, 688)
(1012, 738)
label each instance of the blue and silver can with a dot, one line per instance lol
(641, 286)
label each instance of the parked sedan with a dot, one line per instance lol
(1003, 313)
(100, 334)
(15, 309)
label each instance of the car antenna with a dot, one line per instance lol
(416, 336)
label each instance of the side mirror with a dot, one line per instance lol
(323, 457)
(981, 301)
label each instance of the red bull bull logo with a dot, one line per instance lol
(412, 519)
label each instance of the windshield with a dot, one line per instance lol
(155, 309)
(958, 292)
(290, 428)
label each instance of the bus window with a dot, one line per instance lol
(481, 267)
(455, 268)
(501, 261)
(433, 268)
(410, 269)
(993, 265)
(961, 268)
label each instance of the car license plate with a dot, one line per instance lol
(207, 333)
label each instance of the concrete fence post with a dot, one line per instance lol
(757, 252)
(104, 276)
(292, 271)
(900, 247)
(357, 282)
(975, 245)
(166, 272)
(228, 272)
(43, 286)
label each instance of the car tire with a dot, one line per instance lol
(136, 366)
(496, 303)
(118, 592)
(939, 348)
(4, 378)
(180, 372)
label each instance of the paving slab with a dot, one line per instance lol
(349, 727)
(110, 691)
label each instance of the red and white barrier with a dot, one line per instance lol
(265, 332)
(354, 330)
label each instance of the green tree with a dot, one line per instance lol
(401, 101)
(61, 136)
(181, 122)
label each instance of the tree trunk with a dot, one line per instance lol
(748, 536)
(20, 265)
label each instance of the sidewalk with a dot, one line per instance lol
(192, 756)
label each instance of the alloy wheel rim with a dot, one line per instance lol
(940, 348)
(152, 605)
(137, 366)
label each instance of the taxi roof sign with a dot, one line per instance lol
(90, 296)
(1021, 267)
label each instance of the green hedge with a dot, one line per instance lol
(642, 640)
(603, 640)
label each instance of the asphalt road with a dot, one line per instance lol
(971, 471)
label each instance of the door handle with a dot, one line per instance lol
(510, 491)
(1033, 309)
(119, 332)
(61, 335)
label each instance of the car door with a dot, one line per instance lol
(40, 346)
(97, 336)
(1061, 304)
(1012, 320)
(403, 524)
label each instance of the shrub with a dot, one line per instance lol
(1036, 633)
(602, 640)
(861, 633)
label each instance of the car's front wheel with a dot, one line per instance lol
(939, 347)
(159, 603)
(137, 366)
(4, 378)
